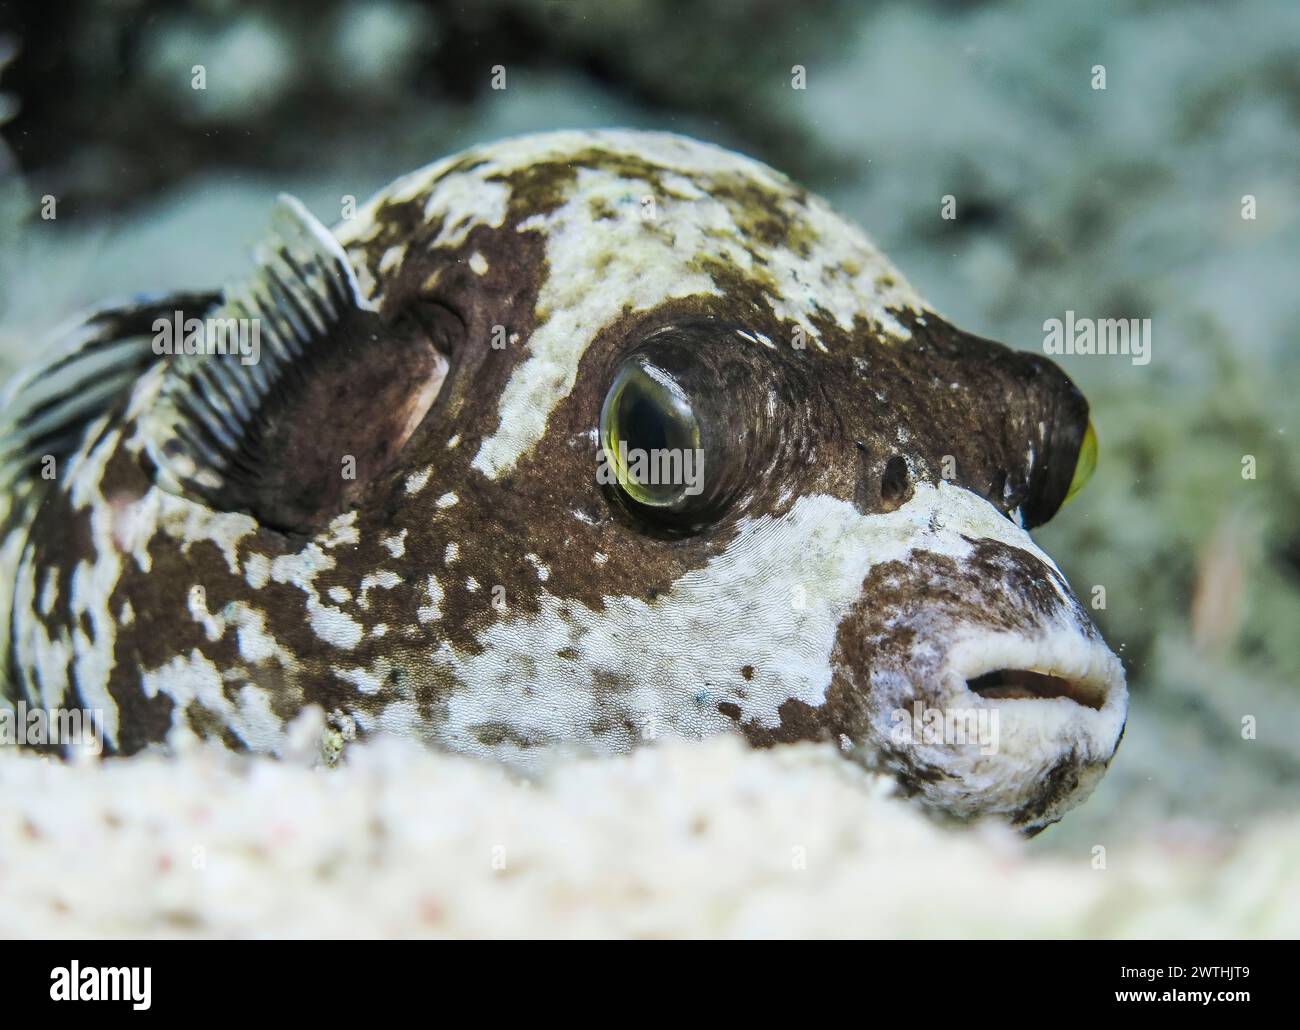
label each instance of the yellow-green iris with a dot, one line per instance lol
(645, 413)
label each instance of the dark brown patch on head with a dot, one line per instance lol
(1056, 786)
(764, 214)
(798, 721)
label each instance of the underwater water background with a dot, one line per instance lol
(1123, 202)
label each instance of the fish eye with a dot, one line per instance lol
(1084, 465)
(689, 427)
(651, 438)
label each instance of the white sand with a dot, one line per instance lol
(697, 840)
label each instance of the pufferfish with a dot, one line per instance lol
(415, 509)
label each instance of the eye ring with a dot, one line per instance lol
(699, 400)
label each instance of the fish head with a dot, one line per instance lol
(721, 468)
(578, 440)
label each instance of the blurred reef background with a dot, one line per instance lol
(1124, 202)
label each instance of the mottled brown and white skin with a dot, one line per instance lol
(202, 567)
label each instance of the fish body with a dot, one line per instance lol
(415, 508)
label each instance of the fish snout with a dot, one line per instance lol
(978, 679)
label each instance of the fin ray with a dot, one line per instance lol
(91, 364)
(204, 434)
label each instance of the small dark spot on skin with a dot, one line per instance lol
(398, 680)
(570, 653)
(232, 741)
(895, 484)
(747, 671)
(730, 710)
(492, 734)
(613, 683)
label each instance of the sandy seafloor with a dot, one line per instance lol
(1121, 203)
(709, 839)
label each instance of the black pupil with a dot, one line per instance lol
(644, 425)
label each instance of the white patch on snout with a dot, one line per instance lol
(773, 600)
(214, 626)
(543, 571)
(433, 610)
(256, 644)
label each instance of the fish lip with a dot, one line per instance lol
(1044, 755)
(1036, 730)
(1092, 671)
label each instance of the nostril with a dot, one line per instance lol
(1012, 684)
(895, 484)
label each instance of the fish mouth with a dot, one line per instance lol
(1054, 701)
(1024, 684)
(1065, 665)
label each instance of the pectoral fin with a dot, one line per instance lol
(88, 368)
